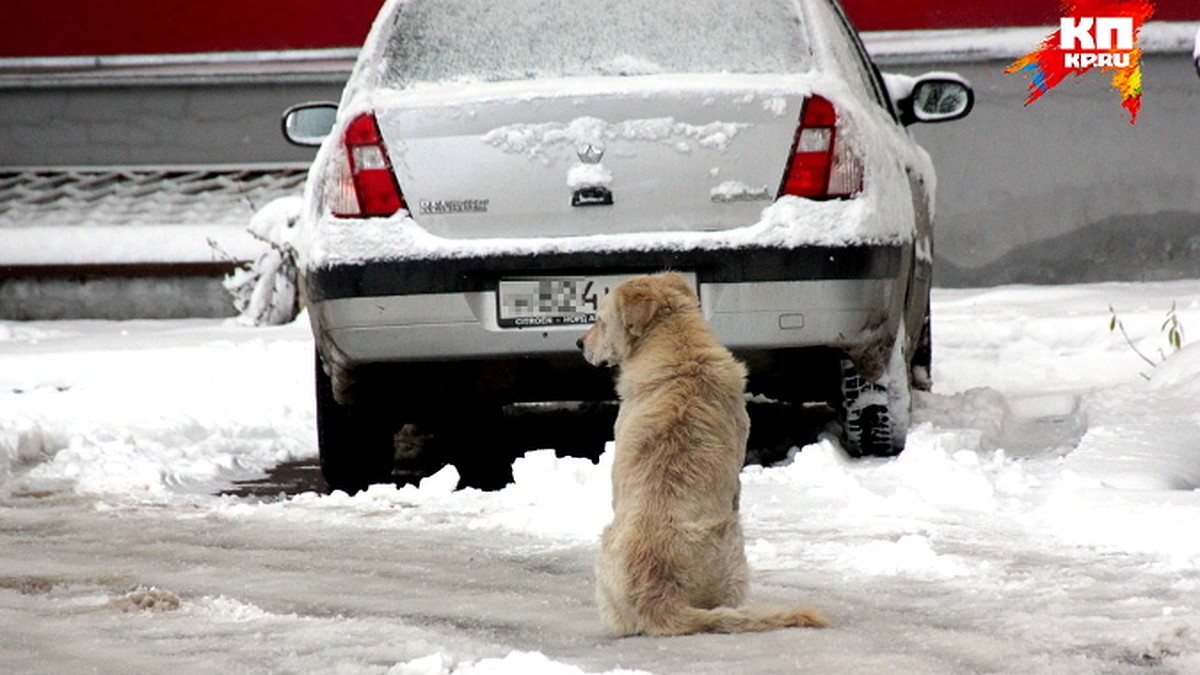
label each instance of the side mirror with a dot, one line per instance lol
(933, 97)
(307, 124)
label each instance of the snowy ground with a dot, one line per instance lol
(1043, 519)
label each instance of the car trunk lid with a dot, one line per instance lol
(591, 156)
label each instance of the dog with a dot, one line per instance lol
(673, 562)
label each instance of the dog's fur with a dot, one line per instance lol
(672, 561)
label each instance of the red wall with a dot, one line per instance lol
(92, 27)
(921, 14)
(101, 27)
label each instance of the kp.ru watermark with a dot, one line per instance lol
(1092, 34)
(1083, 48)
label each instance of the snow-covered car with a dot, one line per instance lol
(494, 168)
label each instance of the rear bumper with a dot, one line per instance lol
(756, 300)
(711, 266)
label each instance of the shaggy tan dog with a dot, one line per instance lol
(672, 560)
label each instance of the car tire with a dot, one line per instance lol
(874, 415)
(356, 442)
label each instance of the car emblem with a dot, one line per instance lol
(590, 153)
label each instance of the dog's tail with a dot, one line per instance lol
(747, 619)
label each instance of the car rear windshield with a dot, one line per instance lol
(493, 40)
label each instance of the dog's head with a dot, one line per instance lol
(630, 312)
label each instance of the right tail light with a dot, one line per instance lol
(821, 165)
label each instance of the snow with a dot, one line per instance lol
(265, 291)
(788, 222)
(736, 190)
(515, 662)
(535, 139)
(120, 244)
(524, 39)
(1041, 519)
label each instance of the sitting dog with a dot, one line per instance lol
(672, 561)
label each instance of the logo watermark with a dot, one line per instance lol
(1092, 34)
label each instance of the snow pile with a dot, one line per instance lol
(22, 443)
(557, 498)
(1028, 341)
(588, 175)
(1143, 436)
(151, 410)
(981, 413)
(265, 291)
(179, 458)
(735, 190)
(230, 610)
(911, 556)
(1133, 482)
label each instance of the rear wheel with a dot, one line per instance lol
(357, 442)
(874, 415)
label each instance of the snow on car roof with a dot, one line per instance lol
(483, 40)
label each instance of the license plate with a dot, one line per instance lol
(552, 301)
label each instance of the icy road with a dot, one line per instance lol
(1043, 520)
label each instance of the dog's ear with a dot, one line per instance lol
(637, 307)
(676, 282)
(679, 293)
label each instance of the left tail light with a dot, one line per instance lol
(363, 184)
(822, 165)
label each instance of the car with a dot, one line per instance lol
(493, 169)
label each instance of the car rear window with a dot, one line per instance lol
(489, 40)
